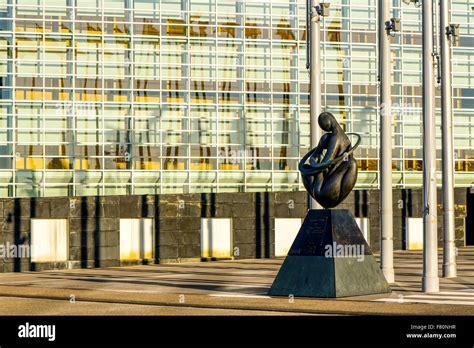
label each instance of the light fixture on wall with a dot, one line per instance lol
(416, 2)
(393, 26)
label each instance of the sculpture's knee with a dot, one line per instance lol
(349, 179)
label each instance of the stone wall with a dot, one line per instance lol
(94, 222)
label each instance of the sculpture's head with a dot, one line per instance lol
(327, 121)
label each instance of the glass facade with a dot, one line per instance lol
(102, 97)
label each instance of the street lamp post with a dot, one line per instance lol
(447, 33)
(313, 48)
(386, 28)
(430, 279)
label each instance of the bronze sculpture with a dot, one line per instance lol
(329, 174)
(329, 171)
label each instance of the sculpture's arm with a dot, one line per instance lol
(320, 148)
(332, 149)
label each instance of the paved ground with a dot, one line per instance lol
(221, 288)
(47, 307)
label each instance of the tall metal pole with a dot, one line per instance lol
(449, 254)
(314, 35)
(385, 76)
(430, 279)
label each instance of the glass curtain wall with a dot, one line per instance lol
(103, 97)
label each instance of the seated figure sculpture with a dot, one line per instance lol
(329, 171)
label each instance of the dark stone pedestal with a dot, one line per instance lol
(329, 258)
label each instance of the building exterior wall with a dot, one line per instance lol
(116, 97)
(94, 223)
